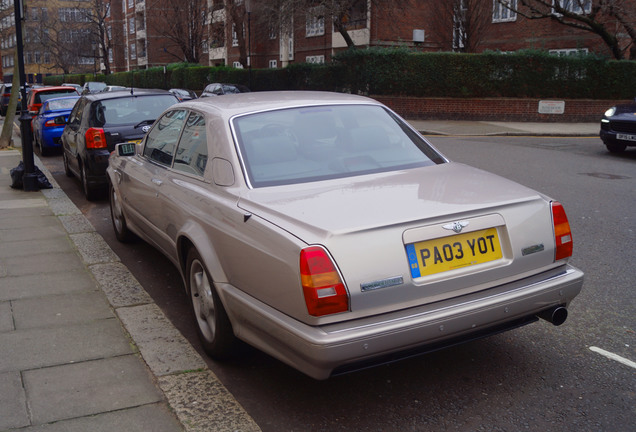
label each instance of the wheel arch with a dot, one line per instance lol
(205, 248)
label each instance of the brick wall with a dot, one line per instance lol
(495, 109)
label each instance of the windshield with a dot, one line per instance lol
(326, 142)
(131, 109)
(41, 97)
(61, 104)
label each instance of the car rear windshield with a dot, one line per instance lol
(42, 97)
(62, 104)
(326, 142)
(131, 109)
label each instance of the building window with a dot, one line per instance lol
(131, 25)
(273, 64)
(131, 3)
(234, 36)
(569, 52)
(315, 59)
(315, 22)
(501, 11)
(574, 6)
(110, 55)
(133, 51)
(237, 65)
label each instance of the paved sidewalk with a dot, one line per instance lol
(488, 128)
(83, 346)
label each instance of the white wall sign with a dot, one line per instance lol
(551, 107)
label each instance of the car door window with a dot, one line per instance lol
(75, 118)
(192, 153)
(161, 141)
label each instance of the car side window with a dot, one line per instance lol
(75, 118)
(192, 153)
(161, 141)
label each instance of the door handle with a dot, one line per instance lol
(157, 181)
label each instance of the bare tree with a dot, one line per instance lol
(460, 25)
(341, 13)
(605, 18)
(184, 23)
(95, 17)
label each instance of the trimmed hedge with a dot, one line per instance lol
(399, 71)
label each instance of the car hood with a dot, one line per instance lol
(315, 211)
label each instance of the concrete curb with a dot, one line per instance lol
(194, 393)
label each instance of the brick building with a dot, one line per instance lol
(56, 38)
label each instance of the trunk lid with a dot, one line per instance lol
(369, 225)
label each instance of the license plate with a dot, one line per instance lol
(453, 252)
(626, 137)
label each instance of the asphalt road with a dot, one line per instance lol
(536, 378)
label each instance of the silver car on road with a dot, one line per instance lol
(324, 230)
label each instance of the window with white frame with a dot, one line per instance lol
(131, 25)
(273, 64)
(569, 52)
(315, 59)
(131, 3)
(234, 36)
(575, 6)
(237, 65)
(133, 51)
(315, 25)
(501, 10)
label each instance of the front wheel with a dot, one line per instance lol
(120, 227)
(213, 325)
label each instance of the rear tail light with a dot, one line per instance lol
(323, 288)
(562, 232)
(51, 123)
(95, 138)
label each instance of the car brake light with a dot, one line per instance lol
(562, 232)
(323, 288)
(51, 123)
(95, 138)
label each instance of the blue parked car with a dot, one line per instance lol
(48, 125)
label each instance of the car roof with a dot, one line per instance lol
(52, 88)
(124, 93)
(243, 103)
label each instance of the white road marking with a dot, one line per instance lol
(613, 356)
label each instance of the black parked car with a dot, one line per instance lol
(183, 94)
(218, 89)
(98, 121)
(618, 127)
(5, 95)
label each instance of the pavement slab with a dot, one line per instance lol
(13, 406)
(44, 284)
(87, 388)
(146, 418)
(60, 310)
(41, 347)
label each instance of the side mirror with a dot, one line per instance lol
(126, 149)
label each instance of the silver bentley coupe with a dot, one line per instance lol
(322, 229)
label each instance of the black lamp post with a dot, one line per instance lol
(29, 179)
(248, 9)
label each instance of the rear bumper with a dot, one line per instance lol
(322, 351)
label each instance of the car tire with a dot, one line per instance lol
(615, 148)
(213, 325)
(67, 168)
(122, 233)
(89, 191)
(44, 151)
